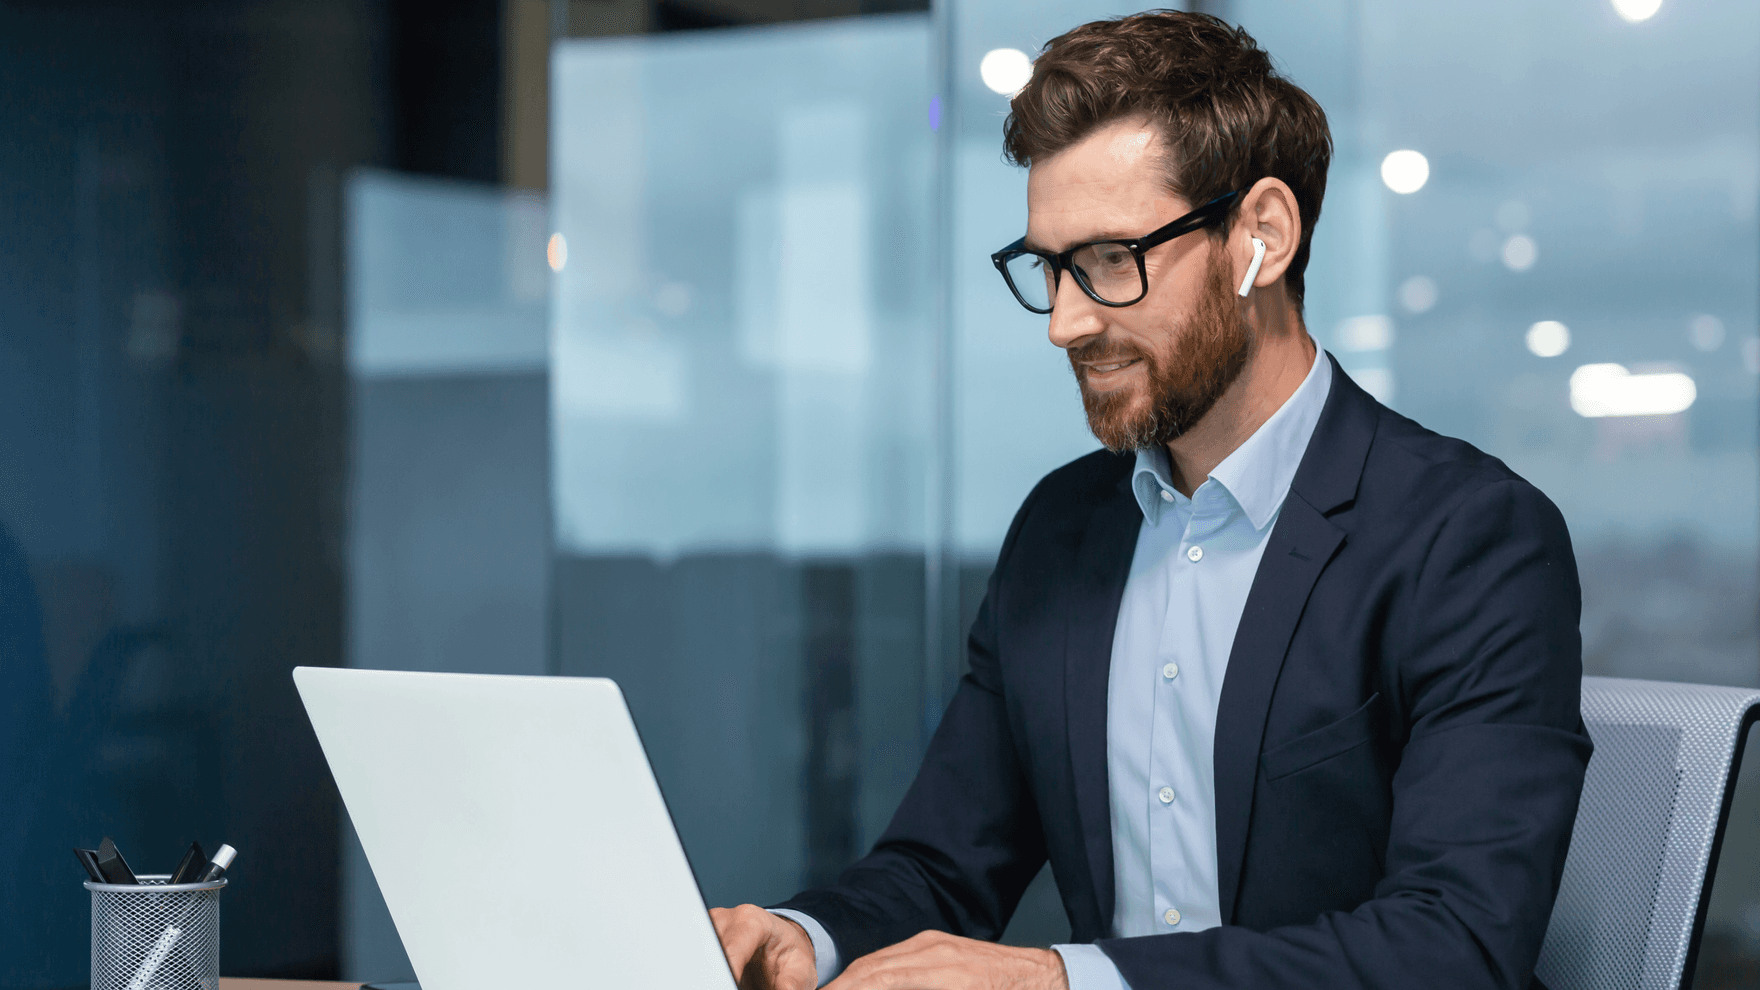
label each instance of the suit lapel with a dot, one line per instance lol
(1299, 547)
(1301, 543)
(1104, 560)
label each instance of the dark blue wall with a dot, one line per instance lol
(172, 424)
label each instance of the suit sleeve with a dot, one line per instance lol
(1485, 795)
(966, 840)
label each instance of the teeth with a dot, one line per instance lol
(1106, 368)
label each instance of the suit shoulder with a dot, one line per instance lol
(1084, 479)
(1058, 501)
(1438, 470)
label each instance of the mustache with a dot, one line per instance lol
(1102, 351)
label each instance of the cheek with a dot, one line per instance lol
(1151, 327)
(1175, 282)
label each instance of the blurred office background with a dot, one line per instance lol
(657, 339)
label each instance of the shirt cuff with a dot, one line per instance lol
(1088, 968)
(825, 950)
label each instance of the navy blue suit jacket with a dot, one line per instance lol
(1399, 748)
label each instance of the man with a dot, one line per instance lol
(1283, 685)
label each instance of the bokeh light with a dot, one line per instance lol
(1634, 11)
(1405, 171)
(1549, 338)
(1599, 390)
(1006, 70)
(1417, 294)
(1519, 253)
(1707, 332)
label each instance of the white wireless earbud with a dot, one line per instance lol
(1253, 269)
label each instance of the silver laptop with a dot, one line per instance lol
(515, 829)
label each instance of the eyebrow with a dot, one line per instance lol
(1104, 235)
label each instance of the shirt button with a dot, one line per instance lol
(1166, 795)
(1170, 671)
(1171, 917)
(1195, 554)
(1166, 496)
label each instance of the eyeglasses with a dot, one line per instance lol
(1110, 272)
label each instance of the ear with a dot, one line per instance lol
(1269, 213)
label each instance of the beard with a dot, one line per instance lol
(1184, 380)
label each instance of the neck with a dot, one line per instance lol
(1283, 353)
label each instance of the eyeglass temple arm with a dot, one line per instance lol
(1018, 244)
(1203, 216)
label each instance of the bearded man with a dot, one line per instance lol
(1283, 685)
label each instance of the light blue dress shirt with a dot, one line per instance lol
(1194, 564)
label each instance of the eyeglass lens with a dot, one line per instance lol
(1109, 268)
(1031, 277)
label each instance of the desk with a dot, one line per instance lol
(243, 983)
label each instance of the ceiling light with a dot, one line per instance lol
(1599, 390)
(1006, 70)
(1634, 11)
(1548, 338)
(1405, 171)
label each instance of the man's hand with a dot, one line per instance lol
(765, 951)
(939, 961)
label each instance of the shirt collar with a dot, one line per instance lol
(1259, 472)
(1152, 485)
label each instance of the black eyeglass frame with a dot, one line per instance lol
(1208, 215)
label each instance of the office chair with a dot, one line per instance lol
(1631, 907)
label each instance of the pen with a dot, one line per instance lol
(215, 869)
(218, 865)
(155, 958)
(190, 865)
(113, 866)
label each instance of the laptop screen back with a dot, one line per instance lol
(515, 829)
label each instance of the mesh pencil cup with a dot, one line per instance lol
(156, 936)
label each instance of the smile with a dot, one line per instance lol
(1107, 369)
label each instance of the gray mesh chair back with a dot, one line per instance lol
(1632, 902)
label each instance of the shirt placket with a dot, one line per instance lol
(1181, 646)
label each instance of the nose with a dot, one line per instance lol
(1074, 317)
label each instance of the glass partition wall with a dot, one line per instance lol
(449, 463)
(743, 342)
(794, 408)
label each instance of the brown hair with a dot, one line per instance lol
(1227, 117)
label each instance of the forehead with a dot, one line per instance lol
(1111, 183)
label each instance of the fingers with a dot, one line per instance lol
(742, 931)
(765, 951)
(927, 959)
(947, 962)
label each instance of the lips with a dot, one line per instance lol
(1109, 367)
(1097, 361)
